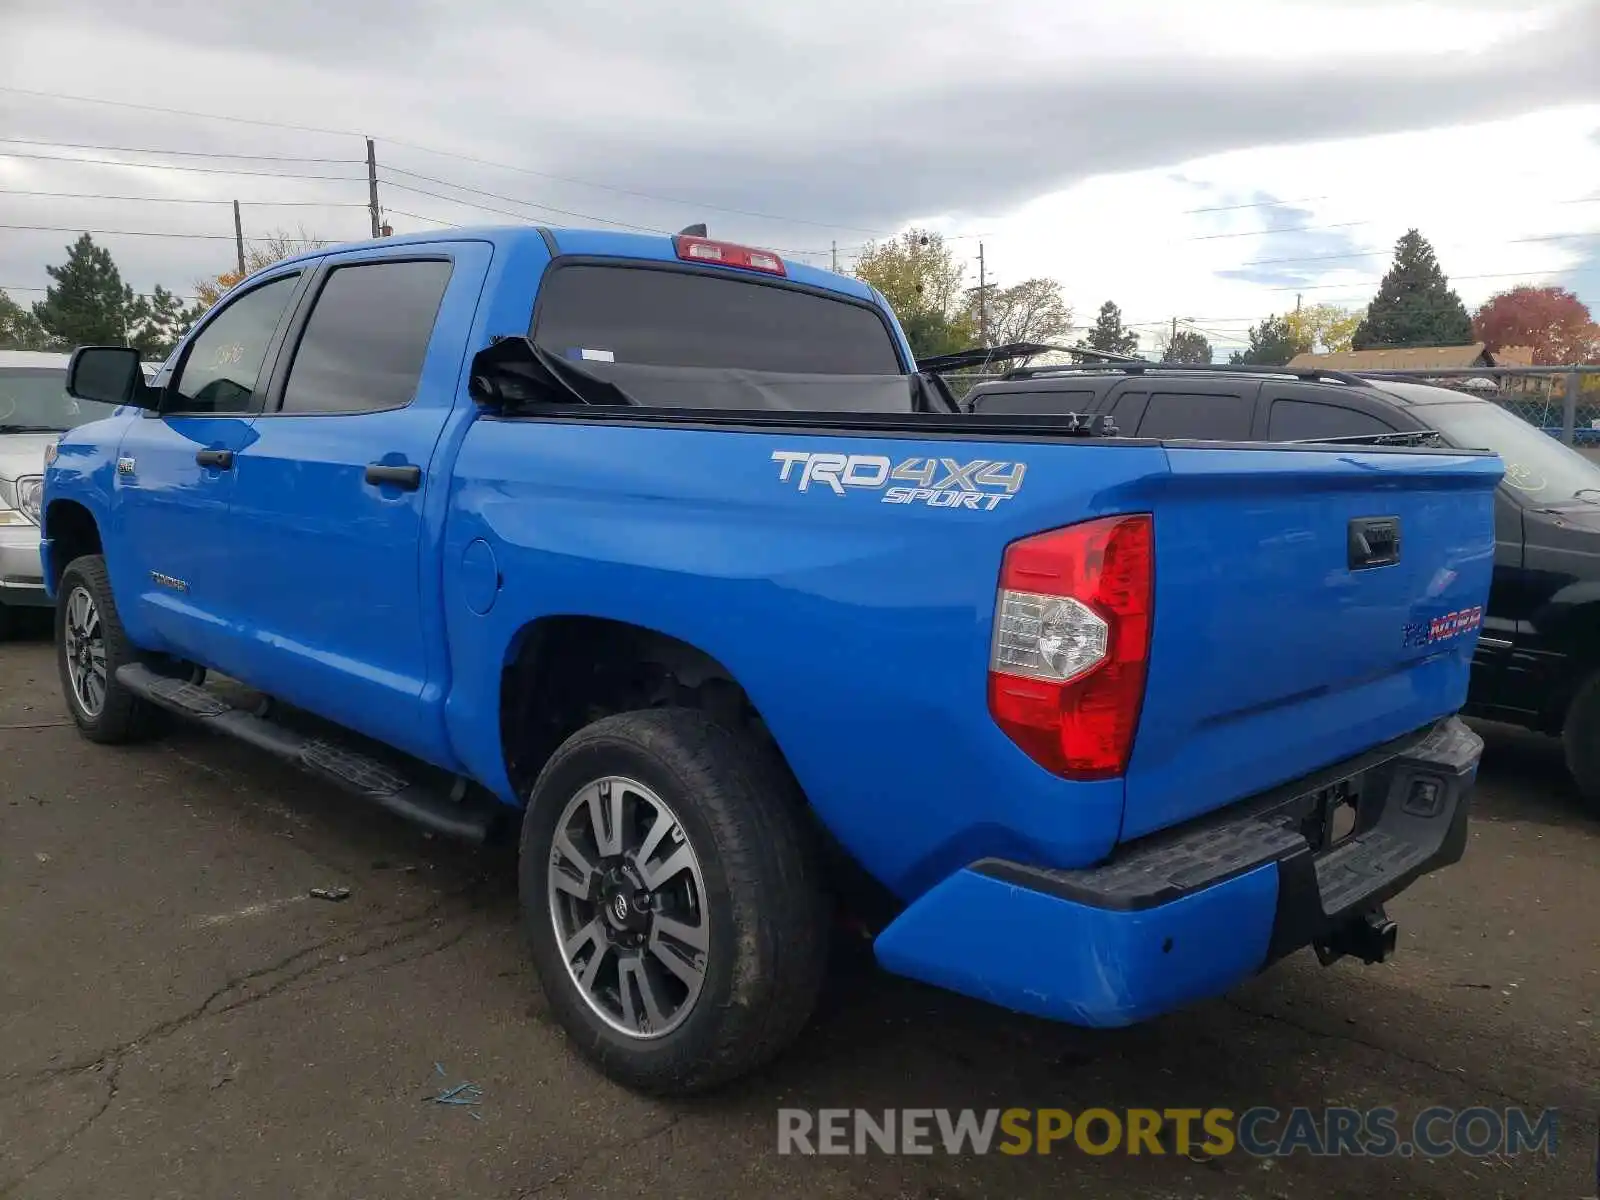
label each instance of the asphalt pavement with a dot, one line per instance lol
(179, 1017)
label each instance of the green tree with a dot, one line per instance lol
(920, 278)
(1272, 343)
(1110, 335)
(1415, 305)
(157, 323)
(19, 329)
(88, 304)
(1186, 346)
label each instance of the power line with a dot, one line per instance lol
(117, 162)
(226, 237)
(13, 287)
(183, 199)
(1211, 237)
(17, 141)
(400, 212)
(174, 112)
(1256, 204)
(179, 112)
(499, 196)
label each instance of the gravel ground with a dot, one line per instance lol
(179, 1019)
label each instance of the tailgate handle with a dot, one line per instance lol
(1374, 542)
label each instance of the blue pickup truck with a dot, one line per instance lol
(660, 551)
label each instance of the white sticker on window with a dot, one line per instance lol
(597, 356)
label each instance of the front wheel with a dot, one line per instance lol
(671, 900)
(1580, 736)
(90, 646)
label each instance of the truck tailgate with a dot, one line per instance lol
(1283, 639)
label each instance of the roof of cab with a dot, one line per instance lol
(598, 243)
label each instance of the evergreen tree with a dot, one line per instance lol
(1110, 335)
(1187, 346)
(1415, 305)
(159, 322)
(1272, 344)
(88, 304)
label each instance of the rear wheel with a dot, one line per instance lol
(90, 646)
(1580, 735)
(671, 900)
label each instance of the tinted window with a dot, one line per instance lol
(35, 400)
(680, 319)
(1196, 415)
(1305, 420)
(1034, 402)
(364, 343)
(220, 367)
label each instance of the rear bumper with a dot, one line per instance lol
(1189, 912)
(21, 575)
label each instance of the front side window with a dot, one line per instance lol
(219, 371)
(365, 341)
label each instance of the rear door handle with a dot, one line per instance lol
(221, 459)
(407, 478)
(1373, 542)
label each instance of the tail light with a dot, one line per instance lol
(1071, 643)
(726, 254)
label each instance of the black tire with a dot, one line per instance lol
(122, 715)
(764, 907)
(1580, 736)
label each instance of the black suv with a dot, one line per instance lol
(1538, 657)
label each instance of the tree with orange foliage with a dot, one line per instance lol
(1550, 321)
(257, 256)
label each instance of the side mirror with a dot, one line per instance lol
(109, 375)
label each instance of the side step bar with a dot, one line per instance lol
(433, 807)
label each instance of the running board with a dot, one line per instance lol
(450, 812)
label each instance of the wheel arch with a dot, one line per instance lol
(69, 531)
(563, 672)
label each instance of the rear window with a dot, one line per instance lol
(1034, 402)
(669, 318)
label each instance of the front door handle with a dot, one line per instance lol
(221, 459)
(407, 478)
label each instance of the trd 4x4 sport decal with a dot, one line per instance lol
(935, 482)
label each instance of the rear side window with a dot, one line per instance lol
(1200, 415)
(669, 318)
(1305, 420)
(363, 345)
(219, 371)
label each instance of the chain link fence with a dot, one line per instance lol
(1536, 394)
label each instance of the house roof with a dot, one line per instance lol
(1402, 358)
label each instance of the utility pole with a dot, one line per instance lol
(372, 189)
(835, 258)
(983, 300)
(1297, 304)
(238, 237)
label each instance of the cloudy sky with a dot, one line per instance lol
(1208, 162)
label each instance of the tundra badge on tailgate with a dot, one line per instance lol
(936, 482)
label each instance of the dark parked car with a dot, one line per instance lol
(1538, 658)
